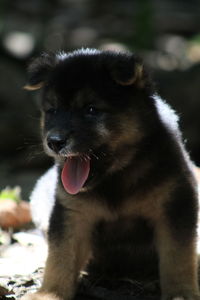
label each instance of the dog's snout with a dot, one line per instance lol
(56, 142)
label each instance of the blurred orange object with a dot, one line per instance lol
(13, 214)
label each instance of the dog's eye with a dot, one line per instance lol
(51, 111)
(91, 111)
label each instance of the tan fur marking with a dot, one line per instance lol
(33, 87)
(128, 132)
(149, 204)
(136, 78)
(177, 272)
(40, 296)
(61, 275)
(103, 131)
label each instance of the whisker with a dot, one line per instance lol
(35, 118)
(65, 153)
(95, 156)
(84, 157)
(33, 154)
(104, 154)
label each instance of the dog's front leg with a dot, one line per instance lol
(69, 250)
(178, 264)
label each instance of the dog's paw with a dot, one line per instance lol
(187, 297)
(41, 296)
(195, 297)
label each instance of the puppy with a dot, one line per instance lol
(126, 198)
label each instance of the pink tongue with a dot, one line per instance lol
(75, 173)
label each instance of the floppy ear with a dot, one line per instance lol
(39, 70)
(127, 70)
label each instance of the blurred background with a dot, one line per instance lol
(166, 33)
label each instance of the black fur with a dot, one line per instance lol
(112, 242)
(56, 228)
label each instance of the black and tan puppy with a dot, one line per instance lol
(126, 200)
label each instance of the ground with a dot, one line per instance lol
(22, 262)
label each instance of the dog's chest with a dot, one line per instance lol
(123, 233)
(123, 247)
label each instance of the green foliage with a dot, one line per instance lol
(195, 39)
(12, 194)
(144, 29)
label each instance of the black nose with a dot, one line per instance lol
(56, 142)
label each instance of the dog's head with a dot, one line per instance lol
(92, 107)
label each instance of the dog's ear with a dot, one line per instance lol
(127, 70)
(39, 70)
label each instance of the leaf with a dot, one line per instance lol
(12, 194)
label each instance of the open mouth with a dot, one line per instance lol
(75, 172)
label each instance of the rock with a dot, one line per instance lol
(13, 214)
(4, 291)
